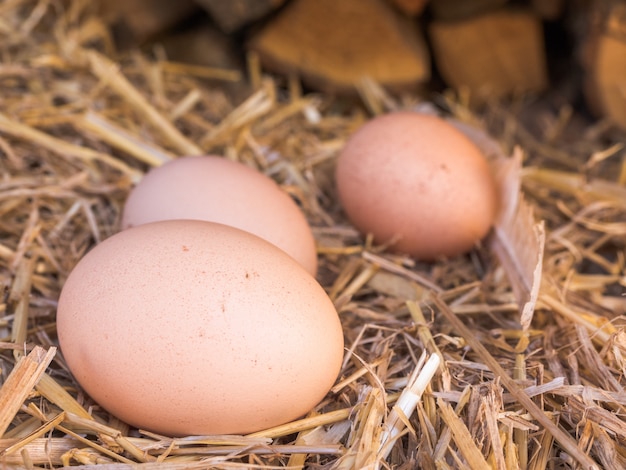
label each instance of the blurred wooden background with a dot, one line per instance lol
(485, 48)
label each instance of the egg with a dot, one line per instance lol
(219, 190)
(418, 184)
(188, 327)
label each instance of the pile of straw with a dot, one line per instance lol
(523, 337)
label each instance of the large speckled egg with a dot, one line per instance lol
(191, 327)
(219, 190)
(418, 184)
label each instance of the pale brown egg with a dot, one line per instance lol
(415, 182)
(219, 190)
(191, 327)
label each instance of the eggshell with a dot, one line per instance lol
(192, 327)
(219, 190)
(414, 181)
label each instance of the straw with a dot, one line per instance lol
(20, 382)
(510, 356)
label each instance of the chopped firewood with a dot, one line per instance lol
(410, 7)
(334, 45)
(232, 15)
(205, 52)
(606, 81)
(139, 20)
(605, 65)
(497, 53)
(448, 10)
(203, 45)
(550, 10)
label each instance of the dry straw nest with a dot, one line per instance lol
(529, 327)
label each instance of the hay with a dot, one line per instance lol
(80, 124)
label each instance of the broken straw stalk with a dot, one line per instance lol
(407, 403)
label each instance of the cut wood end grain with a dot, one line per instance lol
(605, 85)
(410, 7)
(450, 10)
(334, 45)
(144, 19)
(232, 15)
(493, 54)
(605, 66)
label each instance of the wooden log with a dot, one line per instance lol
(450, 10)
(410, 7)
(604, 62)
(139, 20)
(333, 45)
(493, 54)
(206, 52)
(549, 10)
(202, 44)
(233, 14)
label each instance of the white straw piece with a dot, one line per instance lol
(407, 403)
